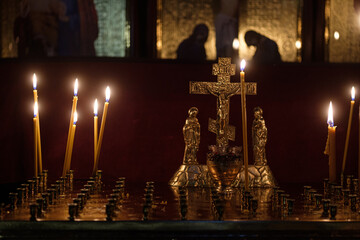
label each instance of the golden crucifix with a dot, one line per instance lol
(223, 89)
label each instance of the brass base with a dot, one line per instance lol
(259, 176)
(192, 175)
(264, 195)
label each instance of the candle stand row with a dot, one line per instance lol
(149, 200)
(115, 200)
(333, 199)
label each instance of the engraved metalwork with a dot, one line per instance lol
(191, 131)
(213, 129)
(342, 18)
(223, 89)
(224, 164)
(190, 173)
(268, 17)
(259, 137)
(223, 70)
(260, 174)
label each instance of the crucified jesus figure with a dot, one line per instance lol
(223, 94)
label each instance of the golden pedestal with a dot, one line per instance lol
(191, 175)
(260, 176)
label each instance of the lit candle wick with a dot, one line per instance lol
(107, 94)
(36, 109)
(330, 120)
(242, 65)
(96, 107)
(75, 118)
(76, 87)
(34, 81)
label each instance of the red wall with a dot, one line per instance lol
(148, 107)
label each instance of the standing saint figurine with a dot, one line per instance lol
(259, 137)
(191, 131)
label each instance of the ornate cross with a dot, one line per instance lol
(223, 89)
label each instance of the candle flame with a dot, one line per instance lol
(330, 120)
(96, 107)
(34, 81)
(353, 94)
(36, 109)
(242, 65)
(76, 87)
(75, 117)
(107, 94)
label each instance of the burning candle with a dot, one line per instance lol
(73, 109)
(95, 128)
(35, 140)
(34, 87)
(348, 132)
(38, 138)
(359, 148)
(72, 136)
(244, 123)
(331, 145)
(102, 127)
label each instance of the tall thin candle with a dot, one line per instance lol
(38, 138)
(73, 109)
(331, 145)
(102, 127)
(348, 132)
(35, 140)
(244, 123)
(95, 128)
(72, 136)
(359, 149)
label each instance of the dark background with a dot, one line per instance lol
(143, 135)
(149, 102)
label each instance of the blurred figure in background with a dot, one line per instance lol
(267, 50)
(88, 27)
(193, 47)
(37, 27)
(226, 26)
(22, 30)
(69, 31)
(77, 36)
(48, 28)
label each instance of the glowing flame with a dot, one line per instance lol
(34, 81)
(75, 117)
(330, 120)
(96, 107)
(353, 94)
(235, 44)
(76, 87)
(107, 93)
(36, 109)
(242, 65)
(336, 35)
(298, 44)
